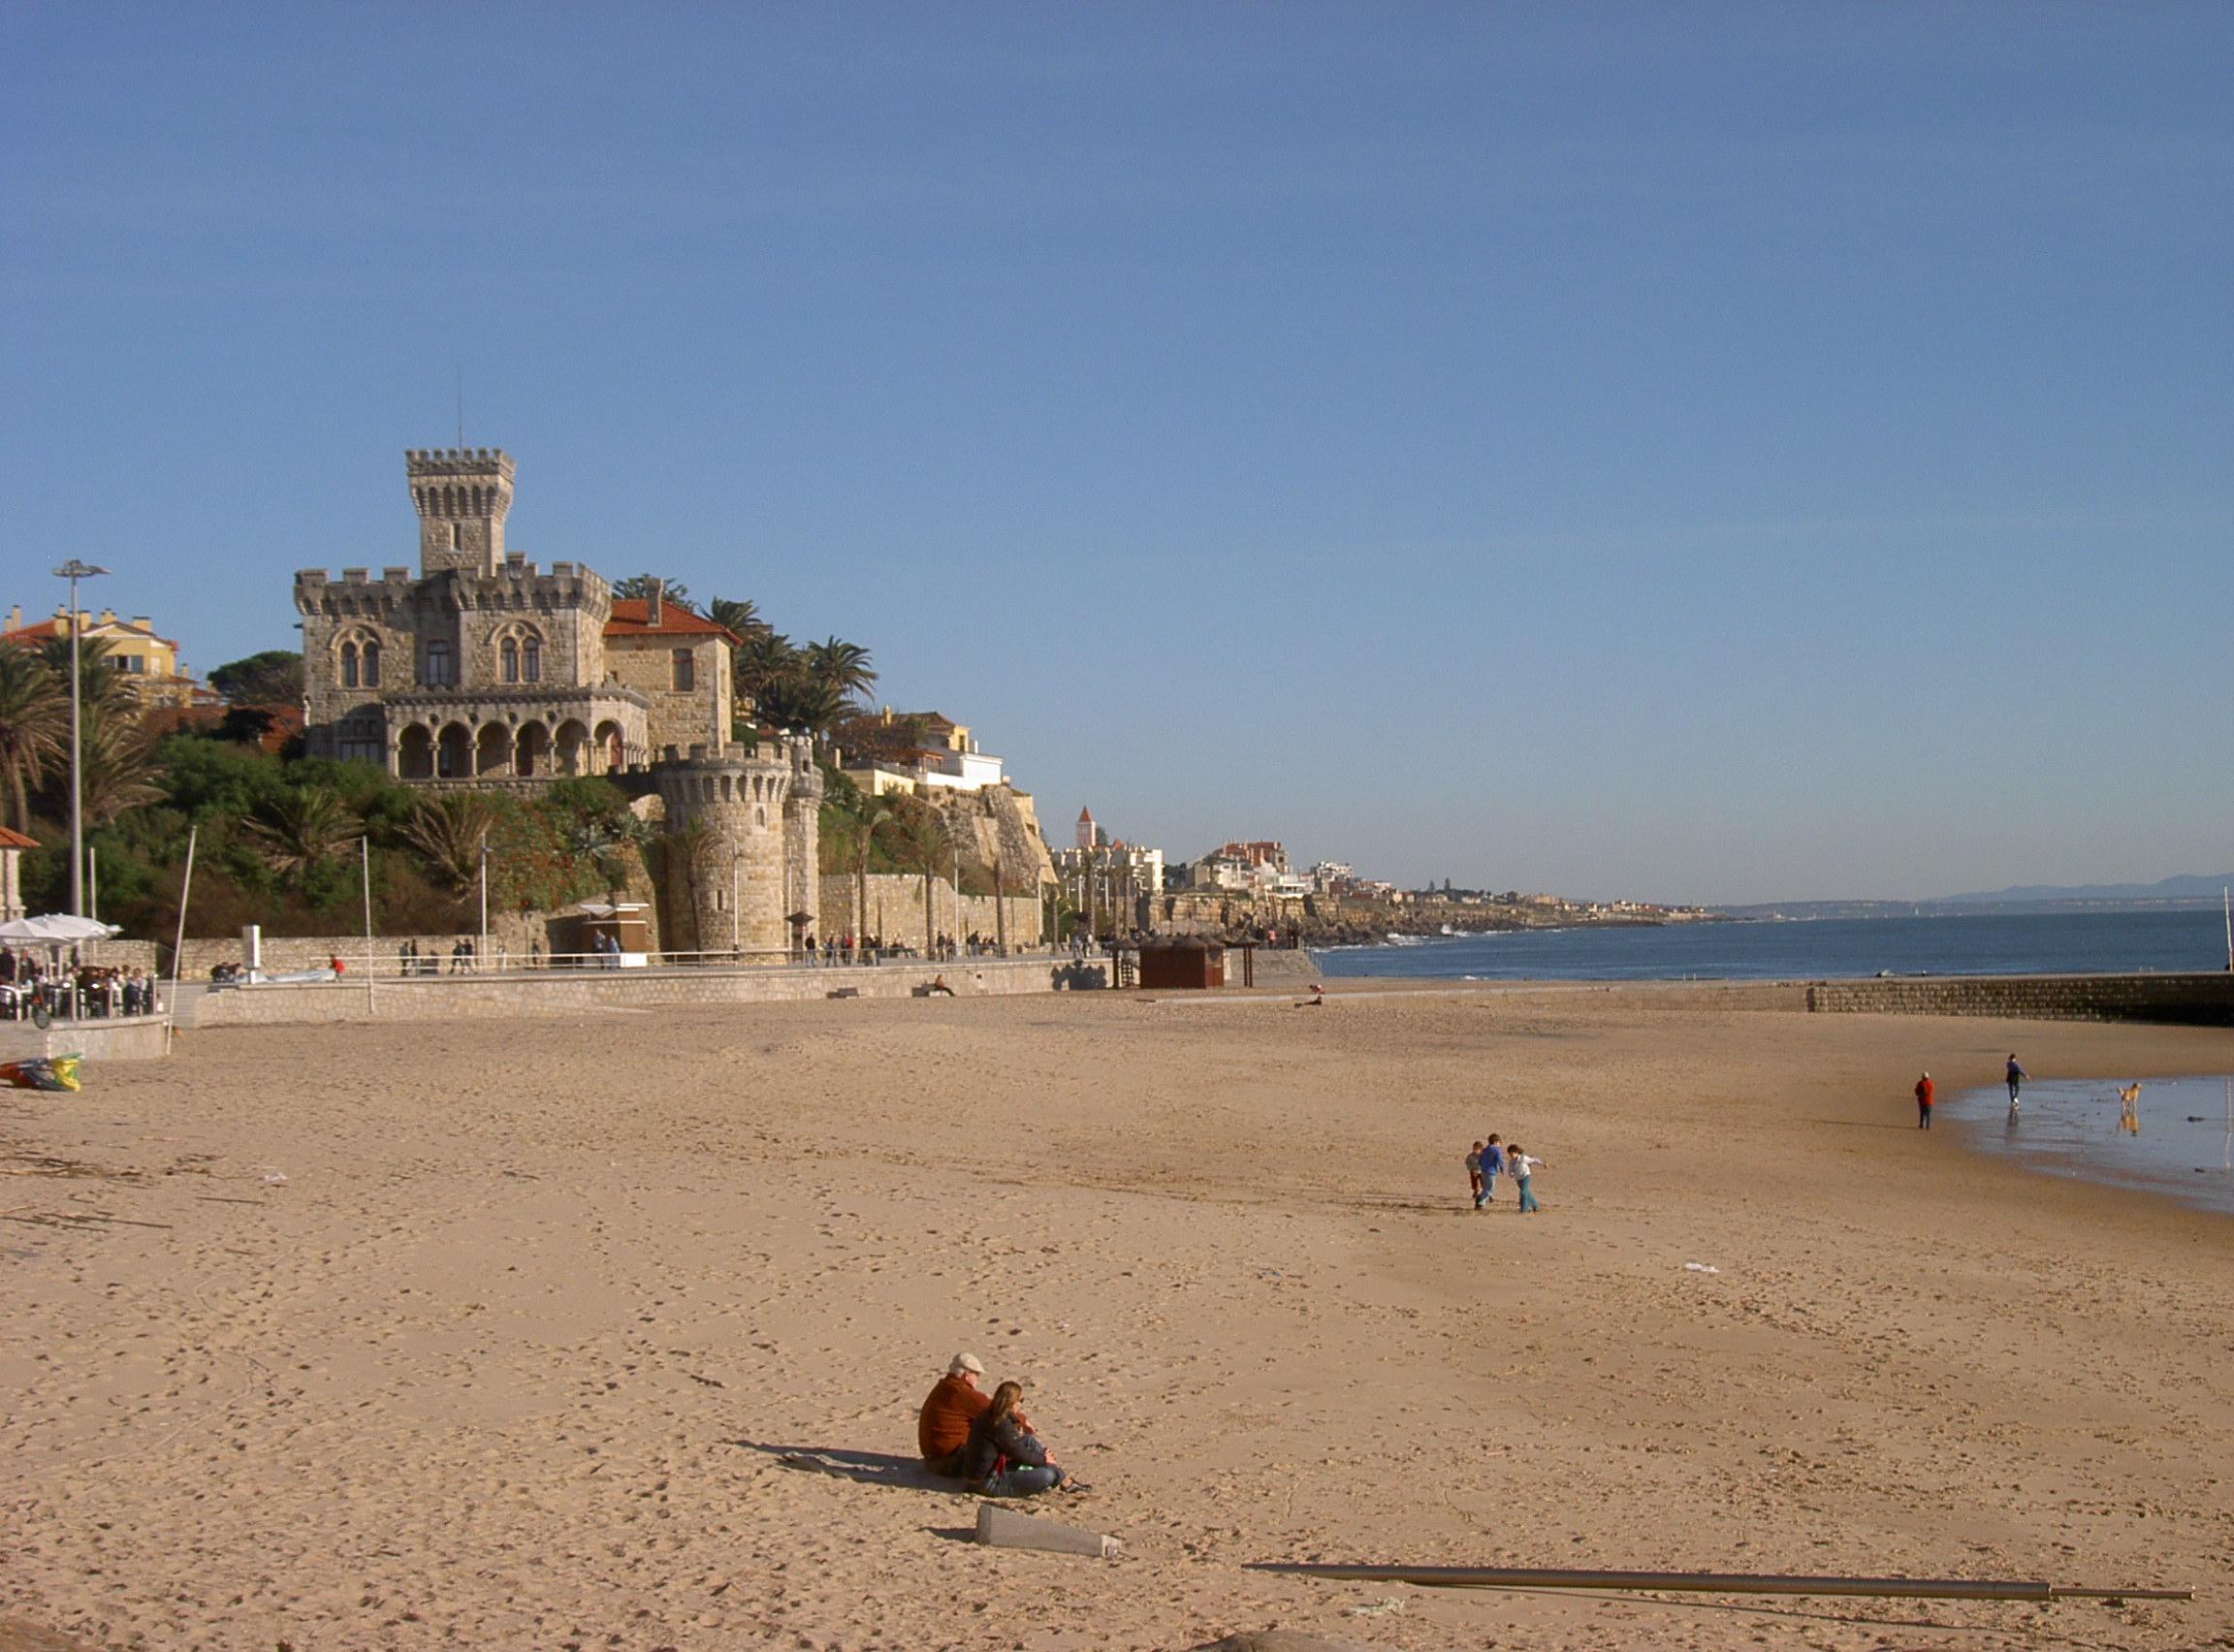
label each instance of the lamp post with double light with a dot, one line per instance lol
(73, 570)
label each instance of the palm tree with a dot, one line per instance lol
(857, 838)
(921, 839)
(804, 703)
(301, 829)
(34, 725)
(765, 660)
(844, 666)
(449, 828)
(604, 839)
(741, 617)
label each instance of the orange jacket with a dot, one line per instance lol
(1923, 1093)
(943, 1427)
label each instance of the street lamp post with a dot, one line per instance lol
(73, 570)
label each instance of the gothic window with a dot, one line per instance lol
(370, 655)
(531, 660)
(510, 654)
(438, 673)
(686, 671)
(348, 665)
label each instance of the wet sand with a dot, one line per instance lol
(509, 1356)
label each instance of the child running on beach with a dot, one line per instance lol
(1520, 1166)
(1492, 1166)
(1474, 1173)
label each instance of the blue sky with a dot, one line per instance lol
(1725, 453)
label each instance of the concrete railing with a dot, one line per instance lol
(2191, 999)
(563, 992)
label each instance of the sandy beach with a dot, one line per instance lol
(494, 1334)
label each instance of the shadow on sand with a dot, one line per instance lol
(866, 1468)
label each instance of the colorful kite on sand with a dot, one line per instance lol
(47, 1072)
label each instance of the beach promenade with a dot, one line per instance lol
(493, 1333)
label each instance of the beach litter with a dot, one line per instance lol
(278, 1176)
(1700, 1267)
(1378, 1608)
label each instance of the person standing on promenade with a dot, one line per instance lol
(1474, 1174)
(1493, 1164)
(1924, 1103)
(1522, 1166)
(2015, 1076)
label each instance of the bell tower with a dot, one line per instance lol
(462, 495)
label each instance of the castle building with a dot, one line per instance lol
(483, 670)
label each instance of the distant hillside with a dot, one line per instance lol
(2186, 890)
(2184, 887)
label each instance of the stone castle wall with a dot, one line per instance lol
(897, 900)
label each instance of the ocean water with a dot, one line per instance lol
(1971, 944)
(2068, 1127)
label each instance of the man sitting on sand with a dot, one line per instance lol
(943, 1427)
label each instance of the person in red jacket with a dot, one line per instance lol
(942, 1426)
(1924, 1103)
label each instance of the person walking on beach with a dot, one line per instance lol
(1474, 1174)
(1493, 1165)
(2015, 1076)
(1924, 1103)
(1523, 1166)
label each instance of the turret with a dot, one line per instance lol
(462, 495)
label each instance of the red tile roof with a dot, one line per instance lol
(675, 620)
(45, 630)
(15, 839)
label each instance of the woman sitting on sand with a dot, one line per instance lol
(1002, 1459)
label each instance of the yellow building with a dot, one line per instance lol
(150, 664)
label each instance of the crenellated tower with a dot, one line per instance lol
(742, 837)
(462, 495)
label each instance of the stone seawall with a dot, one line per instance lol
(571, 991)
(2206, 1001)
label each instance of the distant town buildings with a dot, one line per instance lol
(147, 662)
(1108, 879)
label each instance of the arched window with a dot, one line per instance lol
(531, 660)
(509, 652)
(348, 665)
(369, 655)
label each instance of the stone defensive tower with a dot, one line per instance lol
(741, 843)
(462, 495)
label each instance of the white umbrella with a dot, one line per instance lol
(57, 929)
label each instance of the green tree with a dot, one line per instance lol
(604, 840)
(740, 617)
(34, 726)
(918, 835)
(272, 677)
(852, 834)
(300, 830)
(840, 665)
(804, 703)
(117, 759)
(448, 829)
(764, 663)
